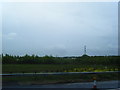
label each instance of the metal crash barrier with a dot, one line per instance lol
(56, 73)
(94, 87)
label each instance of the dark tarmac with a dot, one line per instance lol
(101, 85)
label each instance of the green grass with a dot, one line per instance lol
(46, 79)
(31, 68)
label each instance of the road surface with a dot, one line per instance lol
(107, 85)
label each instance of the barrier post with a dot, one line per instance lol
(94, 84)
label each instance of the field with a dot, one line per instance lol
(35, 64)
(46, 79)
(31, 68)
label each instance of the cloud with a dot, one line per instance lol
(11, 35)
(60, 28)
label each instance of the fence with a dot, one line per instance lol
(56, 73)
(60, 73)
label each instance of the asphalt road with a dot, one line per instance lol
(113, 85)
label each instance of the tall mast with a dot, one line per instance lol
(85, 50)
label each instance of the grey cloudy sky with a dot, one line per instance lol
(60, 29)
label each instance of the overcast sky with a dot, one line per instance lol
(60, 29)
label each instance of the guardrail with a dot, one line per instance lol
(94, 87)
(56, 73)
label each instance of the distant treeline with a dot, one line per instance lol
(86, 60)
